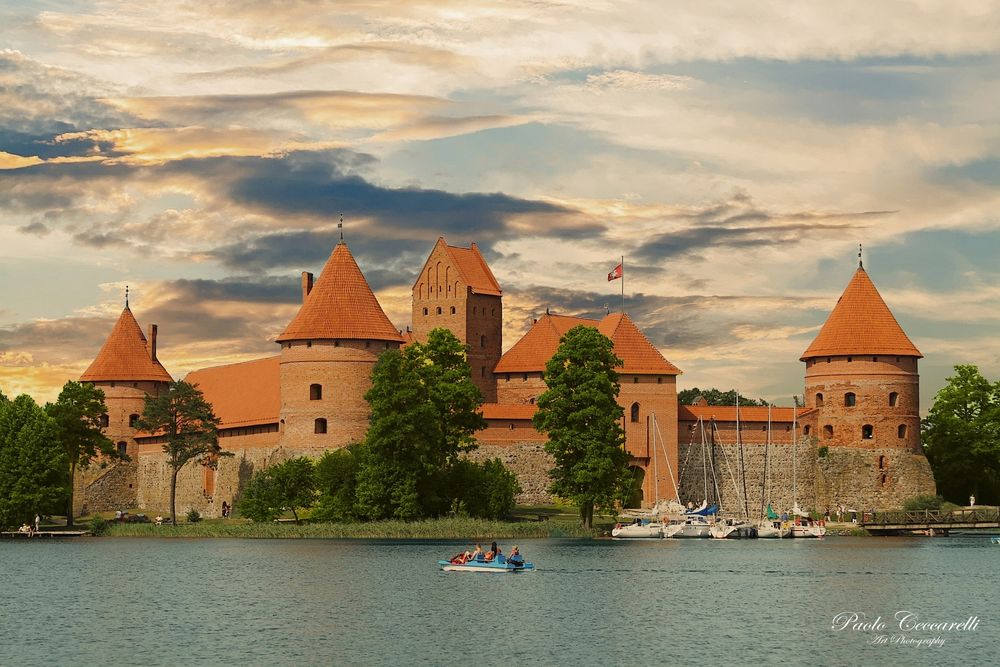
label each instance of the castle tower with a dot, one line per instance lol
(127, 370)
(456, 290)
(861, 375)
(327, 355)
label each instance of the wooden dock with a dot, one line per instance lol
(932, 522)
(18, 535)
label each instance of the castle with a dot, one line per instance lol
(855, 442)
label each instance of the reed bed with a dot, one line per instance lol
(447, 528)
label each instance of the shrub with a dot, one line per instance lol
(193, 516)
(98, 525)
(485, 490)
(926, 502)
(823, 452)
(337, 481)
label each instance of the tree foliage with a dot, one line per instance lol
(185, 420)
(582, 418)
(77, 416)
(33, 465)
(487, 490)
(716, 397)
(424, 412)
(336, 482)
(961, 437)
(290, 485)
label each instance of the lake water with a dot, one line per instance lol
(151, 602)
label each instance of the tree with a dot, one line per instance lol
(288, 485)
(487, 490)
(961, 437)
(337, 481)
(77, 415)
(189, 427)
(33, 465)
(716, 397)
(424, 412)
(582, 418)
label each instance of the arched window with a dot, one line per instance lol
(806, 429)
(850, 399)
(819, 400)
(453, 310)
(867, 432)
(105, 421)
(893, 399)
(319, 426)
(531, 401)
(635, 412)
(425, 311)
(122, 447)
(315, 392)
(901, 431)
(482, 341)
(439, 310)
(510, 427)
(133, 419)
(828, 431)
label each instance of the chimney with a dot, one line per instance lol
(307, 284)
(152, 342)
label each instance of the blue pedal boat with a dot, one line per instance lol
(496, 566)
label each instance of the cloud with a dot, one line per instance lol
(625, 79)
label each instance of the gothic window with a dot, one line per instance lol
(319, 426)
(828, 431)
(122, 447)
(635, 413)
(893, 398)
(105, 421)
(850, 399)
(133, 419)
(819, 400)
(315, 392)
(867, 432)
(901, 431)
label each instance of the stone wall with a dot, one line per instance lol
(113, 487)
(528, 460)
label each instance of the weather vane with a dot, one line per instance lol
(340, 226)
(860, 263)
(126, 296)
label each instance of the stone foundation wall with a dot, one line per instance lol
(528, 460)
(107, 489)
(822, 478)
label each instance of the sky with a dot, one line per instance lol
(201, 152)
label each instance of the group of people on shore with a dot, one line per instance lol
(29, 529)
(495, 553)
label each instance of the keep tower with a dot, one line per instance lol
(861, 375)
(457, 290)
(127, 370)
(328, 352)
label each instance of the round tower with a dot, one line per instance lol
(861, 375)
(327, 356)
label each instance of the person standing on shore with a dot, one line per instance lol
(38, 521)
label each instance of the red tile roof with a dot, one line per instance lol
(861, 324)
(244, 394)
(125, 356)
(341, 306)
(727, 413)
(638, 355)
(474, 270)
(509, 411)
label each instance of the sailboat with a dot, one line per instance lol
(738, 526)
(649, 524)
(804, 526)
(770, 526)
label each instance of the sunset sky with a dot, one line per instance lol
(735, 153)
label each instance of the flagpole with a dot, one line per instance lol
(623, 284)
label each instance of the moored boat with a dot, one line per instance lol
(638, 530)
(496, 566)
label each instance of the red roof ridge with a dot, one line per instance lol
(341, 305)
(125, 356)
(480, 284)
(861, 323)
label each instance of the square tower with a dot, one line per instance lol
(456, 290)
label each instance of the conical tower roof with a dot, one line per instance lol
(341, 306)
(125, 356)
(861, 324)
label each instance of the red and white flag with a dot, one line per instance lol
(616, 273)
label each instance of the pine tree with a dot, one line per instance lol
(582, 418)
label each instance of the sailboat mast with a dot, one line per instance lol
(743, 470)
(656, 477)
(795, 469)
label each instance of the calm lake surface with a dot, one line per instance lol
(149, 602)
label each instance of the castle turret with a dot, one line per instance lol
(126, 369)
(457, 291)
(861, 375)
(327, 355)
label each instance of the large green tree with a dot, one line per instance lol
(33, 465)
(189, 427)
(77, 415)
(290, 485)
(716, 397)
(582, 418)
(424, 412)
(961, 436)
(337, 482)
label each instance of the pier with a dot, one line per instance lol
(931, 522)
(18, 535)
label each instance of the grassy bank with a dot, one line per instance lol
(449, 528)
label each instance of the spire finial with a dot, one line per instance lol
(860, 263)
(126, 296)
(340, 226)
